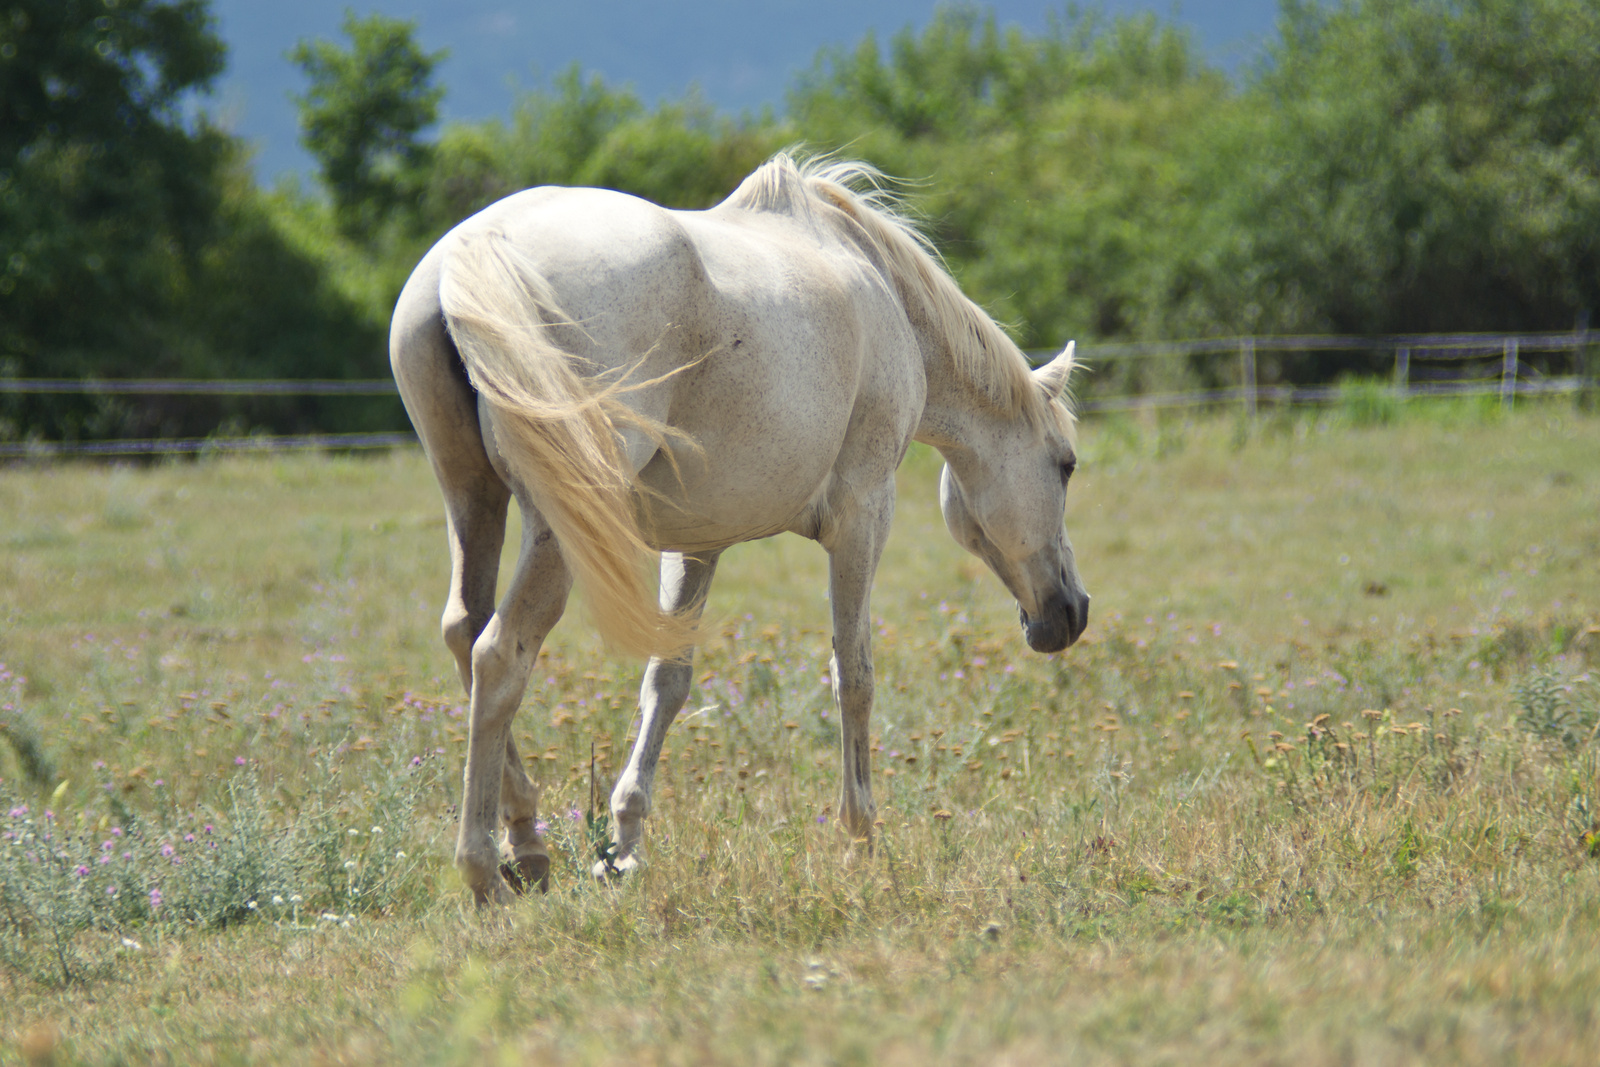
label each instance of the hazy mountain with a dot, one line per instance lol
(741, 54)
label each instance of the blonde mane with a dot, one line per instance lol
(981, 353)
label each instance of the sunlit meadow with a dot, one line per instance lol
(1319, 785)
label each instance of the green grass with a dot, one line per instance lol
(1319, 786)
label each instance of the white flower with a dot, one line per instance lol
(295, 899)
(349, 865)
(251, 905)
(353, 832)
(377, 829)
(399, 855)
(277, 898)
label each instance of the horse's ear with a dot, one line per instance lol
(1052, 377)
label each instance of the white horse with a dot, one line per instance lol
(648, 380)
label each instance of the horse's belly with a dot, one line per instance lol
(695, 505)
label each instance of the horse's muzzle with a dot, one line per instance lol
(1061, 621)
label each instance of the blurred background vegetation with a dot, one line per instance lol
(1386, 166)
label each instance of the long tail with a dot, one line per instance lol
(558, 434)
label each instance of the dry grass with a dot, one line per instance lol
(1150, 857)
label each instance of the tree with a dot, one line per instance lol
(361, 116)
(1417, 165)
(106, 193)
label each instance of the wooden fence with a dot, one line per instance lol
(1423, 365)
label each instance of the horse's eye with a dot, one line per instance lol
(1066, 470)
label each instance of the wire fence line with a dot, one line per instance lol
(1416, 372)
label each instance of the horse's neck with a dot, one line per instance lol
(952, 412)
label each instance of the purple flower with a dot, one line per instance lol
(111, 890)
(155, 899)
(81, 870)
(105, 846)
(188, 837)
(239, 761)
(167, 850)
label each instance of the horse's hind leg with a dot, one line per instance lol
(502, 658)
(684, 581)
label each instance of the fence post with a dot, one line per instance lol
(1585, 365)
(1402, 371)
(1508, 374)
(1247, 374)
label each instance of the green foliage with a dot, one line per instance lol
(1389, 166)
(1056, 167)
(361, 115)
(135, 244)
(106, 195)
(73, 889)
(1414, 165)
(1558, 707)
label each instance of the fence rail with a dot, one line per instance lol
(1510, 377)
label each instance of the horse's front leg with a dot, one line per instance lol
(684, 581)
(502, 658)
(853, 553)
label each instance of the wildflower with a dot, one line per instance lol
(416, 761)
(105, 846)
(111, 890)
(167, 849)
(353, 832)
(155, 899)
(239, 761)
(81, 870)
(277, 899)
(251, 905)
(349, 865)
(295, 899)
(188, 837)
(377, 829)
(399, 855)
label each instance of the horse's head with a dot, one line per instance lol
(1004, 497)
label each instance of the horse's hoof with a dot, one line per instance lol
(613, 872)
(495, 894)
(528, 872)
(859, 852)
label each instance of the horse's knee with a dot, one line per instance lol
(500, 667)
(460, 630)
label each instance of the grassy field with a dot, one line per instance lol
(1319, 786)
